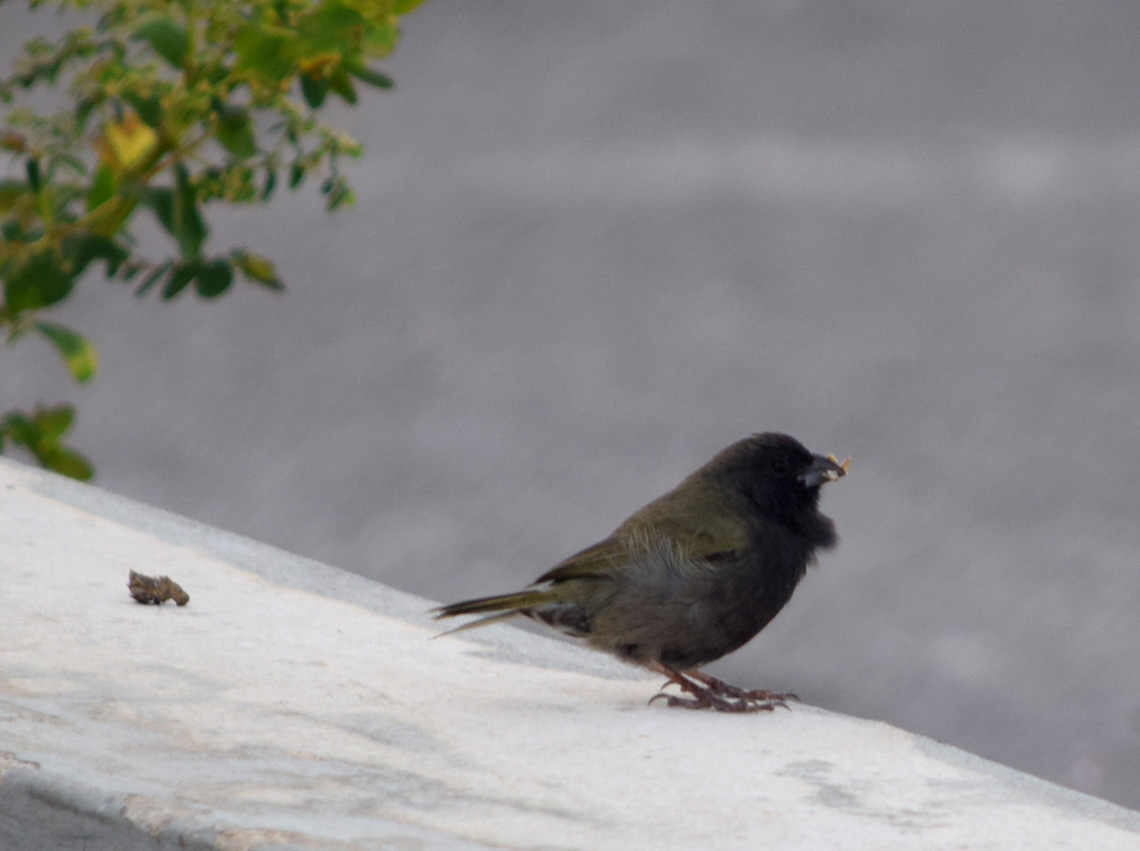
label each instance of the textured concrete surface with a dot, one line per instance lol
(292, 705)
(597, 241)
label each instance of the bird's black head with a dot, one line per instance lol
(779, 478)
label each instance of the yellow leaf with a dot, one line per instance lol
(320, 64)
(127, 146)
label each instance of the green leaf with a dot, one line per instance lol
(168, 38)
(214, 278)
(333, 26)
(270, 184)
(333, 17)
(66, 462)
(402, 7)
(39, 282)
(369, 76)
(40, 434)
(19, 428)
(263, 54)
(177, 211)
(179, 279)
(83, 249)
(191, 230)
(314, 89)
(52, 423)
(103, 187)
(149, 109)
(32, 166)
(10, 193)
(160, 199)
(12, 231)
(342, 85)
(76, 351)
(381, 40)
(83, 109)
(337, 193)
(296, 175)
(153, 277)
(257, 269)
(235, 132)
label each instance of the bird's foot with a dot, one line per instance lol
(722, 688)
(707, 692)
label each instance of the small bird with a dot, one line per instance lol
(694, 574)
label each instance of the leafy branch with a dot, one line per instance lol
(172, 105)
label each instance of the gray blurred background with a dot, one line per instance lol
(596, 242)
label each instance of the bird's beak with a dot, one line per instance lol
(824, 470)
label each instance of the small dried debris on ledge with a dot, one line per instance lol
(147, 589)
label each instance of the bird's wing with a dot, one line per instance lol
(701, 524)
(594, 562)
(709, 536)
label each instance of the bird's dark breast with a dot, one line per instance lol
(740, 603)
(700, 613)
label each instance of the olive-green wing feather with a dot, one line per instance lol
(699, 523)
(497, 608)
(594, 562)
(498, 603)
(693, 527)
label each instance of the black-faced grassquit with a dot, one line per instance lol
(694, 574)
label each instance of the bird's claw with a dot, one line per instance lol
(723, 689)
(708, 692)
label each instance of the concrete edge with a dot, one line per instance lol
(48, 811)
(1032, 788)
(51, 812)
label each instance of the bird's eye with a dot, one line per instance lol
(780, 465)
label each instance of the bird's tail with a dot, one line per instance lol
(497, 608)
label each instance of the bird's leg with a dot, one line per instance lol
(682, 682)
(710, 693)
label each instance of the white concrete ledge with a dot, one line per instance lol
(293, 705)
